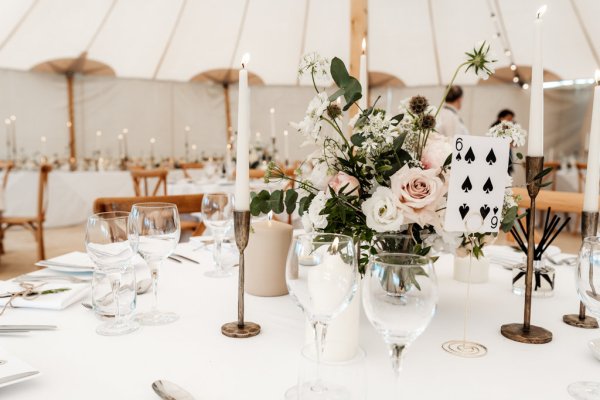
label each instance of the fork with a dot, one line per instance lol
(48, 278)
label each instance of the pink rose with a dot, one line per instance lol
(436, 151)
(419, 191)
(342, 179)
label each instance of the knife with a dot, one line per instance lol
(12, 328)
(62, 265)
(16, 377)
(185, 258)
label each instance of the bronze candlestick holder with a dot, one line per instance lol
(589, 227)
(525, 332)
(241, 328)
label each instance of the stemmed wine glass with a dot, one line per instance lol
(157, 229)
(112, 248)
(587, 281)
(217, 215)
(321, 276)
(399, 295)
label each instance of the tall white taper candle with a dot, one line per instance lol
(592, 179)
(242, 168)
(535, 145)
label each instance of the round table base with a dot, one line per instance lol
(465, 349)
(586, 323)
(535, 334)
(233, 330)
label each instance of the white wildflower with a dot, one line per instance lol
(510, 130)
(311, 125)
(315, 65)
(317, 205)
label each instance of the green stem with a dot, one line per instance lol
(337, 129)
(312, 76)
(449, 86)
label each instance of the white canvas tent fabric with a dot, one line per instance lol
(177, 39)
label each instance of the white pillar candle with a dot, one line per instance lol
(535, 145)
(364, 81)
(592, 180)
(286, 147)
(242, 179)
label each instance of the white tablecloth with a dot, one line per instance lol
(78, 364)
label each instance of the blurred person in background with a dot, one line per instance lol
(449, 122)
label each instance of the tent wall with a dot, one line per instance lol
(162, 109)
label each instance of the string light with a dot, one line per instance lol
(513, 67)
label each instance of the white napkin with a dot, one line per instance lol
(74, 259)
(12, 366)
(53, 301)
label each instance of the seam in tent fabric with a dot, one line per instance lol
(237, 40)
(101, 25)
(19, 24)
(503, 31)
(303, 38)
(170, 39)
(585, 32)
(434, 40)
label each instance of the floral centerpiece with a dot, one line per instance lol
(390, 174)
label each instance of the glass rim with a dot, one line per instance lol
(314, 234)
(104, 216)
(217, 194)
(378, 258)
(154, 204)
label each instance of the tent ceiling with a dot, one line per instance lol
(417, 41)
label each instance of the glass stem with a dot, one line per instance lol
(116, 288)
(154, 265)
(396, 353)
(217, 251)
(320, 329)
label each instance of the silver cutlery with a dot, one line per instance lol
(16, 377)
(50, 278)
(175, 259)
(141, 287)
(21, 328)
(169, 391)
(63, 265)
(185, 258)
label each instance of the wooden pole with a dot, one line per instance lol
(71, 122)
(227, 111)
(358, 32)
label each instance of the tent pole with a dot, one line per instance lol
(71, 122)
(358, 31)
(227, 112)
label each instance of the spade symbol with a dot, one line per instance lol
(466, 186)
(491, 157)
(495, 210)
(488, 187)
(484, 211)
(470, 156)
(463, 210)
(458, 157)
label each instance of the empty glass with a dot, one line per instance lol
(587, 282)
(217, 215)
(321, 276)
(156, 228)
(400, 294)
(103, 298)
(111, 248)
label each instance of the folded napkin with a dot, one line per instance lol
(53, 301)
(74, 260)
(508, 255)
(13, 370)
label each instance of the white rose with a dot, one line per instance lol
(314, 211)
(382, 212)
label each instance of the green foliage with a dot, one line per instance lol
(349, 86)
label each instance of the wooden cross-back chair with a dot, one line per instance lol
(581, 171)
(186, 204)
(141, 182)
(34, 223)
(185, 167)
(6, 167)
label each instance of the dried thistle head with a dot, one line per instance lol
(428, 122)
(418, 104)
(334, 111)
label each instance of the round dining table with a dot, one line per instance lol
(76, 363)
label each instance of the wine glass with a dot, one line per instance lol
(112, 248)
(400, 294)
(157, 228)
(321, 277)
(587, 282)
(217, 215)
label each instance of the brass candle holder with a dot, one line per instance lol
(525, 332)
(241, 328)
(589, 227)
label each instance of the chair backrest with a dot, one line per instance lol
(257, 173)
(581, 171)
(185, 167)
(186, 204)
(140, 179)
(6, 167)
(568, 202)
(555, 167)
(43, 191)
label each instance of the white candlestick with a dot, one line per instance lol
(8, 138)
(98, 145)
(592, 179)
(43, 141)
(152, 141)
(272, 111)
(364, 80)
(535, 145)
(120, 145)
(242, 179)
(286, 146)
(13, 125)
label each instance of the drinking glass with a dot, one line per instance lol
(587, 282)
(156, 227)
(112, 248)
(217, 215)
(321, 276)
(400, 294)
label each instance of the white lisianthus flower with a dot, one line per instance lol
(382, 212)
(510, 130)
(311, 125)
(317, 205)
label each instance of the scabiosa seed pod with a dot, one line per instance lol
(334, 111)
(418, 104)
(428, 122)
